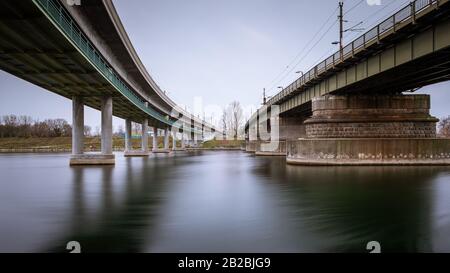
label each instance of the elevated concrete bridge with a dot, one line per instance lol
(83, 53)
(349, 109)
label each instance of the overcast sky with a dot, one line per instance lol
(218, 51)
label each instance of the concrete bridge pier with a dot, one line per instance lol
(370, 130)
(174, 140)
(129, 152)
(183, 144)
(193, 142)
(272, 137)
(128, 128)
(77, 126)
(145, 136)
(106, 157)
(166, 139)
(155, 139)
(165, 148)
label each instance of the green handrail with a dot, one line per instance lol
(56, 12)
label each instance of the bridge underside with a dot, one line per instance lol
(31, 48)
(57, 56)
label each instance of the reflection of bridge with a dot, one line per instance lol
(83, 53)
(349, 108)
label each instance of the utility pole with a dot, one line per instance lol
(264, 96)
(341, 29)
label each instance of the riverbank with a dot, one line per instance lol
(93, 144)
(61, 144)
(222, 144)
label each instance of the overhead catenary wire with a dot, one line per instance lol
(372, 18)
(306, 55)
(353, 7)
(275, 80)
(365, 20)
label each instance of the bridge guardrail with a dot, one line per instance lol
(60, 17)
(406, 13)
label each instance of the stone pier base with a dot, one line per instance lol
(274, 148)
(370, 130)
(92, 159)
(366, 151)
(136, 153)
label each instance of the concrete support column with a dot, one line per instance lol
(128, 146)
(166, 138)
(107, 105)
(182, 141)
(174, 140)
(106, 157)
(155, 139)
(144, 146)
(77, 125)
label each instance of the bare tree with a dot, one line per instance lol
(24, 126)
(235, 119)
(444, 127)
(87, 130)
(41, 129)
(120, 131)
(136, 128)
(223, 121)
(59, 127)
(97, 131)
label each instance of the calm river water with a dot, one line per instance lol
(219, 202)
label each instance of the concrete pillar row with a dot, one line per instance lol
(77, 125)
(128, 146)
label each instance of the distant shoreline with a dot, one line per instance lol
(93, 144)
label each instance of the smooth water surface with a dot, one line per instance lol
(219, 202)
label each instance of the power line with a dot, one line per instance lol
(371, 16)
(302, 50)
(306, 55)
(353, 7)
(378, 11)
(323, 35)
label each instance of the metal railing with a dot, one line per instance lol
(408, 12)
(64, 22)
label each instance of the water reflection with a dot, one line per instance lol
(392, 205)
(219, 202)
